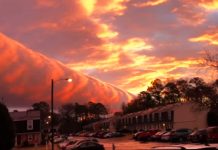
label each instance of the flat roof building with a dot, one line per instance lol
(28, 127)
(172, 116)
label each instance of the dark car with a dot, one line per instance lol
(180, 135)
(197, 136)
(101, 134)
(212, 133)
(144, 136)
(88, 145)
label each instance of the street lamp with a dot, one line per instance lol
(52, 108)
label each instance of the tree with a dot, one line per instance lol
(170, 93)
(146, 100)
(155, 91)
(7, 130)
(211, 59)
(95, 110)
(69, 117)
(43, 107)
(183, 86)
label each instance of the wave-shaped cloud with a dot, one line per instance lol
(25, 77)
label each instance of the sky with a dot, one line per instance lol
(124, 43)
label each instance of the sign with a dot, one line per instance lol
(29, 124)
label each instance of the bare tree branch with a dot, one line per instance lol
(211, 59)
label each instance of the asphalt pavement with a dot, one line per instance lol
(121, 143)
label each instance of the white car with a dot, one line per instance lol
(70, 138)
(87, 145)
(78, 142)
(187, 146)
(66, 143)
(58, 139)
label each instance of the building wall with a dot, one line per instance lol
(187, 116)
(172, 116)
(30, 138)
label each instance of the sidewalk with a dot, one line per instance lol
(45, 147)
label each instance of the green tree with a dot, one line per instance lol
(146, 100)
(155, 90)
(183, 86)
(97, 109)
(68, 123)
(170, 93)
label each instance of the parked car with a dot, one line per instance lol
(144, 136)
(92, 134)
(180, 135)
(134, 136)
(124, 131)
(78, 141)
(197, 136)
(86, 145)
(63, 145)
(166, 136)
(186, 146)
(212, 133)
(113, 134)
(58, 139)
(157, 136)
(101, 134)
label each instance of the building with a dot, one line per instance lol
(172, 116)
(28, 127)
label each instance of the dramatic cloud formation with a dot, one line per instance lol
(211, 37)
(26, 75)
(149, 3)
(127, 43)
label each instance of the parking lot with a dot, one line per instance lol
(121, 143)
(127, 143)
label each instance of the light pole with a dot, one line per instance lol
(52, 109)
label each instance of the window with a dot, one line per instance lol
(172, 116)
(133, 120)
(145, 119)
(139, 119)
(130, 121)
(156, 117)
(150, 118)
(164, 116)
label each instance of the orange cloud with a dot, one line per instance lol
(98, 7)
(211, 38)
(189, 13)
(209, 4)
(163, 69)
(150, 3)
(106, 33)
(26, 75)
(136, 44)
(47, 3)
(195, 12)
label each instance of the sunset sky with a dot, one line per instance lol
(126, 43)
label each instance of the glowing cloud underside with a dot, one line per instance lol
(25, 77)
